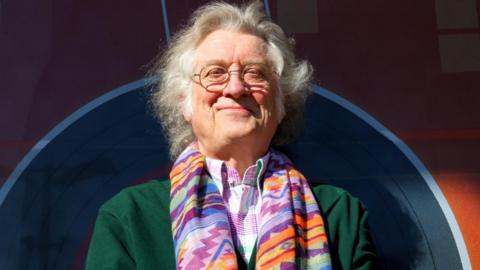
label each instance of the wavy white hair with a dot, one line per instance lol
(172, 96)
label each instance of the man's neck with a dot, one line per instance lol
(239, 156)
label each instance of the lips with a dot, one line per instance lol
(239, 108)
(243, 105)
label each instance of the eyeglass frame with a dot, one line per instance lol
(241, 71)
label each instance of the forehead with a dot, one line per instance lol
(227, 47)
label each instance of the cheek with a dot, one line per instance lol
(202, 97)
(271, 104)
(210, 98)
(265, 101)
(261, 99)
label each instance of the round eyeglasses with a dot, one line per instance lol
(215, 77)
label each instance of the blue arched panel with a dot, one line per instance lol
(49, 204)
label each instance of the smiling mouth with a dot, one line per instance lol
(234, 108)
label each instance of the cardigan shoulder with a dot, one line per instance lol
(133, 230)
(154, 194)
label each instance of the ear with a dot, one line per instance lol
(187, 116)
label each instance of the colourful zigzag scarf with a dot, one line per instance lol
(291, 235)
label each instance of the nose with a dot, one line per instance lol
(235, 87)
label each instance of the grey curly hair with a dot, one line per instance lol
(172, 96)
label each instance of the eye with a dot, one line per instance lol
(214, 73)
(254, 74)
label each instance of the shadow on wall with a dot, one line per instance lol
(47, 214)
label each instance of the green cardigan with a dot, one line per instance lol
(133, 230)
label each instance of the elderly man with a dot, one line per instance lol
(230, 88)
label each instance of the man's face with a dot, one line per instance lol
(239, 114)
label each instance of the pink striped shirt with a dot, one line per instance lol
(242, 200)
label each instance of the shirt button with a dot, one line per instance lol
(299, 230)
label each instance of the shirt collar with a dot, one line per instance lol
(220, 171)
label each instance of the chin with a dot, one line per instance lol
(232, 135)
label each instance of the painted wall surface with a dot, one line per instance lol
(413, 66)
